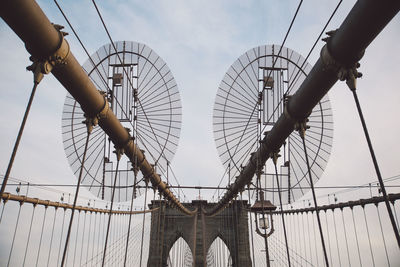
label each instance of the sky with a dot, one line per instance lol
(199, 41)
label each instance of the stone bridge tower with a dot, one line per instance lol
(199, 231)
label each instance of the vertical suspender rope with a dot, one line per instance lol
(352, 86)
(263, 217)
(395, 214)
(329, 238)
(29, 233)
(2, 210)
(383, 236)
(76, 240)
(62, 231)
(41, 234)
(91, 258)
(275, 158)
(143, 222)
(337, 241)
(76, 193)
(37, 77)
(88, 240)
(251, 229)
(345, 236)
(52, 233)
(355, 233)
(302, 129)
(83, 238)
(130, 217)
(315, 238)
(309, 236)
(15, 232)
(118, 152)
(369, 237)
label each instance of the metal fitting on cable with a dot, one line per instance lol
(118, 152)
(274, 156)
(92, 121)
(45, 65)
(301, 127)
(346, 72)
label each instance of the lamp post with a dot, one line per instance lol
(262, 210)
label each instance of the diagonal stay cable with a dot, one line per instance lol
(119, 58)
(309, 53)
(273, 65)
(89, 56)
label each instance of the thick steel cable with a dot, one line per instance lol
(111, 206)
(75, 200)
(15, 232)
(281, 205)
(376, 166)
(302, 135)
(286, 35)
(315, 43)
(87, 53)
(20, 132)
(119, 58)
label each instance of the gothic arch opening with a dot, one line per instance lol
(218, 254)
(180, 254)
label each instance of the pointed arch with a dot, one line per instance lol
(179, 254)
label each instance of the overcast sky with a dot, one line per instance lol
(199, 40)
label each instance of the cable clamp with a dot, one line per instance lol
(345, 72)
(274, 156)
(286, 100)
(103, 113)
(301, 127)
(92, 121)
(119, 152)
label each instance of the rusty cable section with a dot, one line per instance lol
(349, 204)
(46, 43)
(47, 203)
(344, 48)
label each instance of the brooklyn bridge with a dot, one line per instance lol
(92, 116)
